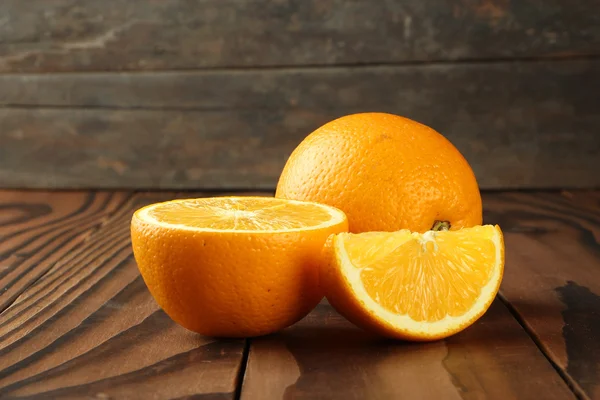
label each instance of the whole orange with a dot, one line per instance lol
(386, 173)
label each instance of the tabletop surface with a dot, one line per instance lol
(77, 320)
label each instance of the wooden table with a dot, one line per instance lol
(78, 321)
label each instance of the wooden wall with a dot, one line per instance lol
(217, 93)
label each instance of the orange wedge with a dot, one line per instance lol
(234, 266)
(415, 286)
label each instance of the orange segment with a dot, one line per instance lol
(369, 247)
(234, 266)
(416, 286)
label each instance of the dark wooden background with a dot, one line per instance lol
(217, 93)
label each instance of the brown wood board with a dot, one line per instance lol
(325, 357)
(66, 35)
(38, 229)
(552, 276)
(520, 125)
(89, 327)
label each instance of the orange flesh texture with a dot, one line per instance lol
(240, 214)
(423, 279)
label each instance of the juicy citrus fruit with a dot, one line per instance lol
(234, 266)
(386, 173)
(415, 286)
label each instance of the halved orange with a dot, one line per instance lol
(234, 266)
(415, 286)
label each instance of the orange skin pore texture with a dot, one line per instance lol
(385, 172)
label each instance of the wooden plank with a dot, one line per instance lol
(521, 125)
(89, 328)
(325, 357)
(552, 277)
(67, 35)
(37, 229)
(589, 199)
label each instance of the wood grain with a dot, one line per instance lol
(520, 125)
(588, 199)
(67, 35)
(37, 229)
(89, 328)
(552, 277)
(325, 357)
